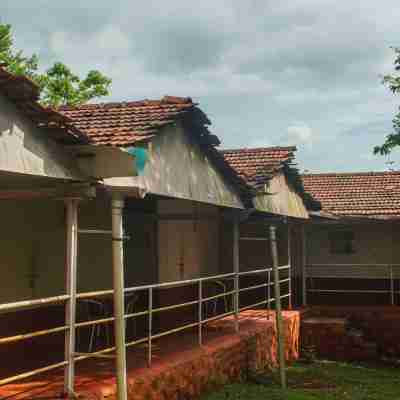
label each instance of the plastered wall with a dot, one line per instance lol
(373, 243)
(188, 248)
(32, 248)
(252, 254)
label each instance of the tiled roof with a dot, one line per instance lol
(129, 123)
(257, 165)
(126, 123)
(24, 93)
(369, 194)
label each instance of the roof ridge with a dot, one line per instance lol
(360, 173)
(272, 148)
(173, 100)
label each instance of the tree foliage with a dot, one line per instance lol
(58, 85)
(393, 82)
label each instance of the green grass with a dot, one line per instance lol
(323, 380)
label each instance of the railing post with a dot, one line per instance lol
(236, 270)
(117, 206)
(391, 285)
(278, 311)
(289, 243)
(269, 294)
(70, 305)
(149, 352)
(200, 327)
(304, 265)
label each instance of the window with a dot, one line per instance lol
(341, 242)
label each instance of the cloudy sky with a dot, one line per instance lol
(267, 72)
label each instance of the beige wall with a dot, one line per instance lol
(374, 243)
(187, 248)
(252, 254)
(32, 242)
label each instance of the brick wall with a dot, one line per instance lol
(229, 358)
(352, 333)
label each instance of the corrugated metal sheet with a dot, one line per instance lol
(24, 149)
(281, 199)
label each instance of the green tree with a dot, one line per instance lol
(393, 82)
(58, 85)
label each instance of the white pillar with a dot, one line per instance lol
(70, 286)
(117, 206)
(278, 310)
(304, 265)
(236, 267)
(289, 243)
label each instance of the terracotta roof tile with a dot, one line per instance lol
(257, 165)
(372, 194)
(126, 123)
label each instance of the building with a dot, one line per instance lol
(115, 212)
(351, 253)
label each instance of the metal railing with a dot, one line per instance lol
(385, 272)
(202, 318)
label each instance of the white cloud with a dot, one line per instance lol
(300, 134)
(257, 67)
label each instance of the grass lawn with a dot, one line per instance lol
(321, 380)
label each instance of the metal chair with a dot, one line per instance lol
(92, 310)
(219, 287)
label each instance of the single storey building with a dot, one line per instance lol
(351, 252)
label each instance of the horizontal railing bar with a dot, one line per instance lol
(284, 280)
(137, 314)
(284, 267)
(286, 295)
(353, 265)
(175, 306)
(158, 335)
(347, 276)
(219, 316)
(180, 305)
(177, 283)
(217, 296)
(33, 303)
(254, 238)
(95, 231)
(138, 341)
(210, 278)
(254, 305)
(256, 271)
(32, 373)
(348, 291)
(94, 354)
(254, 287)
(94, 322)
(24, 336)
(98, 293)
